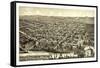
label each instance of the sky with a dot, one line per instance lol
(55, 12)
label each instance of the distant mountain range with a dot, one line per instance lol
(87, 20)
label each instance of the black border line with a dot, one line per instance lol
(13, 33)
(97, 33)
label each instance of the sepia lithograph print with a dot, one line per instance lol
(50, 33)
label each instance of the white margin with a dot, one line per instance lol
(49, 61)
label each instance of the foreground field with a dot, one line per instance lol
(42, 55)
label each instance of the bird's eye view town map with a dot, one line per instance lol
(55, 33)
